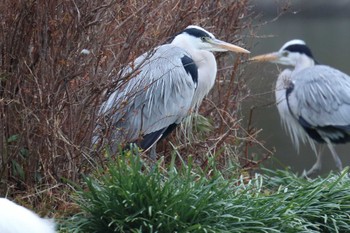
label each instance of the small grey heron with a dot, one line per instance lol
(313, 100)
(170, 82)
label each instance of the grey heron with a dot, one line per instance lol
(313, 100)
(170, 82)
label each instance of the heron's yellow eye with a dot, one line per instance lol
(204, 39)
(285, 54)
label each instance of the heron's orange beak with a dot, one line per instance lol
(232, 47)
(269, 57)
(220, 45)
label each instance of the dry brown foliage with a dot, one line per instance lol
(50, 91)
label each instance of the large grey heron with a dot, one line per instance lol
(313, 100)
(170, 82)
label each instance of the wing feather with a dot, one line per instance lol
(158, 96)
(321, 96)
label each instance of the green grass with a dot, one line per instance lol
(130, 196)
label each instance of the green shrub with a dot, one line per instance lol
(131, 196)
(134, 197)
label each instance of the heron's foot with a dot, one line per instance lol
(315, 168)
(335, 156)
(153, 153)
(338, 164)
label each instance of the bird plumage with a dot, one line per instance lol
(321, 102)
(289, 122)
(147, 105)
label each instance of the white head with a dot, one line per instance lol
(195, 37)
(291, 53)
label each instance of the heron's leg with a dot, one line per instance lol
(317, 166)
(336, 158)
(153, 152)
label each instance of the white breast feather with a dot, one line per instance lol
(289, 122)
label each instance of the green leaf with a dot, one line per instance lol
(13, 138)
(17, 169)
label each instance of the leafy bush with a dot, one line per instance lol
(135, 197)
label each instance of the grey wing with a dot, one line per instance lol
(320, 99)
(157, 97)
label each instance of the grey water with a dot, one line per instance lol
(326, 30)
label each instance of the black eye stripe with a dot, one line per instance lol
(193, 32)
(196, 32)
(303, 49)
